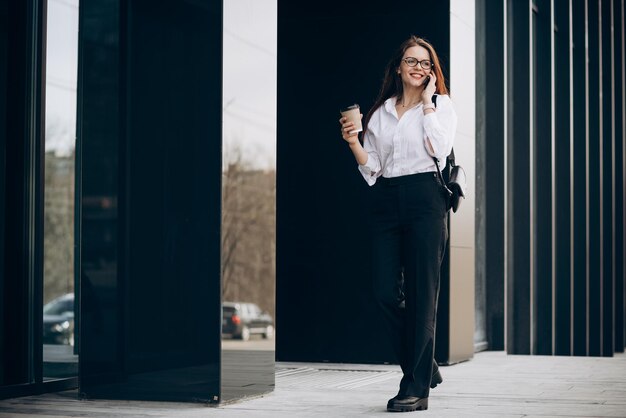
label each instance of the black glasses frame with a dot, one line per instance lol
(421, 63)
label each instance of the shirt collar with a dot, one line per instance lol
(390, 106)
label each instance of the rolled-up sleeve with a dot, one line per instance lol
(372, 167)
(440, 128)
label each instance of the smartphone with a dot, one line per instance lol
(426, 81)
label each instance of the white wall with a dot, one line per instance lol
(462, 233)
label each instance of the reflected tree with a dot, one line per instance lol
(58, 212)
(248, 234)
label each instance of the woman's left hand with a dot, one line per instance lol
(429, 89)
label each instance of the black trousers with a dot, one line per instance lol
(409, 232)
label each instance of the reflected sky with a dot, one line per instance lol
(250, 82)
(61, 74)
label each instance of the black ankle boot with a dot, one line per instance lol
(407, 404)
(435, 379)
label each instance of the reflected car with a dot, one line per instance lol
(58, 320)
(241, 320)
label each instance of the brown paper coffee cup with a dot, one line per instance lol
(353, 114)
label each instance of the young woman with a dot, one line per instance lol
(402, 132)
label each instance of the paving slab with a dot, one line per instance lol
(492, 384)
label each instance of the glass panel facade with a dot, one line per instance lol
(59, 352)
(249, 197)
(150, 101)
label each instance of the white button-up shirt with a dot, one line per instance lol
(398, 147)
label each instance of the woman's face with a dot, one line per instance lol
(414, 76)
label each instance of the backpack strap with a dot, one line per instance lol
(441, 179)
(449, 158)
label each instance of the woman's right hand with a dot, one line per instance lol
(346, 131)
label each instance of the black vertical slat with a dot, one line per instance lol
(579, 231)
(541, 166)
(619, 192)
(480, 299)
(4, 34)
(562, 191)
(595, 276)
(623, 191)
(607, 158)
(518, 179)
(490, 165)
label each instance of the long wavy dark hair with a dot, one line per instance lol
(392, 82)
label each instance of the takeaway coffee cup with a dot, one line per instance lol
(353, 114)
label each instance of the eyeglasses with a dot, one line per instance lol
(424, 64)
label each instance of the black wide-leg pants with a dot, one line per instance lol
(409, 233)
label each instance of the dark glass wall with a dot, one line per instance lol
(332, 55)
(21, 145)
(98, 165)
(150, 141)
(22, 124)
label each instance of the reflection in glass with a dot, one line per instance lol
(244, 320)
(249, 197)
(59, 338)
(58, 320)
(248, 248)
